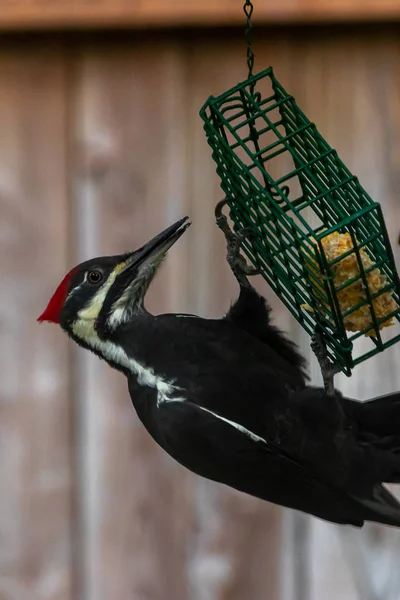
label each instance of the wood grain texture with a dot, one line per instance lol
(97, 154)
(40, 14)
(130, 175)
(35, 436)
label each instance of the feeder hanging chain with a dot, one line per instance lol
(248, 11)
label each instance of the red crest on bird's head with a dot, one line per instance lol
(54, 307)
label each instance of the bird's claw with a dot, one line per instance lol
(236, 261)
(219, 215)
(328, 368)
(241, 235)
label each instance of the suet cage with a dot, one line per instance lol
(286, 184)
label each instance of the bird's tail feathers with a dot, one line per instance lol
(379, 417)
(380, 507)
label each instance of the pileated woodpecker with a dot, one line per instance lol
(228, 398)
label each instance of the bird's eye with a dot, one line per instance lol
(94, 277)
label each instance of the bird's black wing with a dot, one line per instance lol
(223, 451)
(218, 365)
(223, 369)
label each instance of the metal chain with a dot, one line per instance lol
(248, 11)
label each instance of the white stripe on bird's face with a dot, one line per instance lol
(84, 325)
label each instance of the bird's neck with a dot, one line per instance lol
(133, 337)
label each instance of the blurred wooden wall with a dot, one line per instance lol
(101, 146)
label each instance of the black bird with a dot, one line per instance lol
(228, 398)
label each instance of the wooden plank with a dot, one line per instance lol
(130, 183)
(35, 466)
(34, 14)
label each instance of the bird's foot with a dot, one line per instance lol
(236, 261)
(328, 368)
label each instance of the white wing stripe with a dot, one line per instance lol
(250, 434)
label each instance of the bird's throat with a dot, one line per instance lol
(116, 357)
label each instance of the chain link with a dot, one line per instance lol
(248, 11)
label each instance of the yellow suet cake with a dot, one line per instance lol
(334, 245)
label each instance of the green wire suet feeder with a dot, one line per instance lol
(284, 182)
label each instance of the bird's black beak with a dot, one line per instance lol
(133, 274)
(154, 251)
